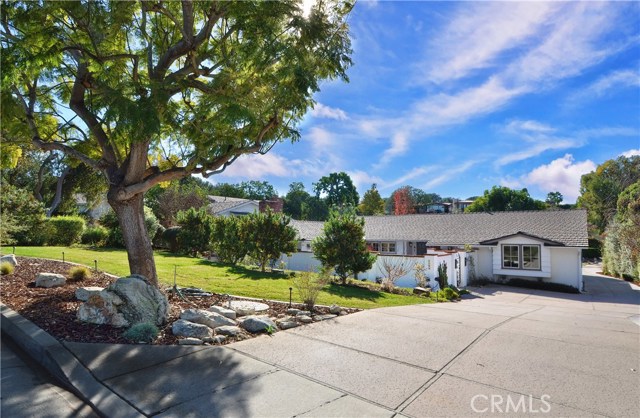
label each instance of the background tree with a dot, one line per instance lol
(269, 236)
(315, 209)
(372, 203)
(166, 202)
(599, 190)
(228, 190)
(196, 229)
(229, 239)
(337, 190)
(116, 238)
(295, 198)
(554, 198)
(258, 190)
(163, 90)
(501, 198)
(403, 204)
(342, 246)
(22, 217)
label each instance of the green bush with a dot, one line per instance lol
(450, 294)
(6, 268)
(79, 273)
(142, 332)
(309, 286)
(66, 230)
(197, 228)
(23, 217)
(95, 235)
(229, 238)
(110, 221)
(170, 238)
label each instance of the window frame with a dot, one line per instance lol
(520, 257)
(539, 257)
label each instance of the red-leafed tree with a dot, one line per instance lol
(402, 202)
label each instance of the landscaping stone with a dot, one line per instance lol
(229, 330)
(218, 339)
(335, 309)
(305, 319)
(343, 313)
(287, 322)
(83, 293)
(293, 311)
(247, 307)
(142, 302)
(190, 341)
(101, 308)
(10, 258)
(229, 313)
(323, 317)
(210, 319)
(183, 328)
(421, 291)
(49, 280)
(303, 313)
(256, 324)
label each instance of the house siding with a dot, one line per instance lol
(566, 266)
(545, 259)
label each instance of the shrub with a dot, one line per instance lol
(27, 225)
(6, 268)
(142, 332)
(110, 221)
(443, 279)
(95, 235)
(309, 286)
(66, 230)
(79, 273)
(170, 238)
(269, 235)
(196, 232)
(229, 238)
(450, 294)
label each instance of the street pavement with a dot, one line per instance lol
(503, 352)
(29, 391)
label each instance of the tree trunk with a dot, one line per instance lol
(130, 215)
(58, 197)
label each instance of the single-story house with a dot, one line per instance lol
(535, 245)
(227, 206)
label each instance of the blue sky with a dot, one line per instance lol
(455, 97)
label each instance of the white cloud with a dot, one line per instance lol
(562, 175)
(449, 174)
(256, 166)
(402, 180)
(631, 153)
(606, 84)
(363, 180)
(322, 111)
(519, 127)
(541, 146)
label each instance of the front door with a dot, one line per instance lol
(421, 248)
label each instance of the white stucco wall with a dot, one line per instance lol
(566, 266)
(484, 263)
(545, 259)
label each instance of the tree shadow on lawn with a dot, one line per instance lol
(243, 272)
(353, 292)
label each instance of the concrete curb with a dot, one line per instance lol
(63, 365)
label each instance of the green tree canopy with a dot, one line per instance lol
(228, 190)
(294, 199)
(372, 202)
(554, 198)
(342, 246)
(258, 190)
(315, 209)
(156, 91)
(337, 190)
(501, 198)
(269, 236)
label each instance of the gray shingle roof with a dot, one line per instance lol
(568, 227)
(221, 203)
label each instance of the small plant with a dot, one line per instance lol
(6, 268)
(421, 276)
(79, 273)
(393, 268)
(450, 294)
(309, 286)
(270, 330)
(142, 332)
(443, 279)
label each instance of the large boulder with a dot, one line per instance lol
(50, 280)
(210, 319)
(229, 313)
(83, 293)
(256, 324)
(141, 301)
(183, 328)
(102, 308)
(10, 258)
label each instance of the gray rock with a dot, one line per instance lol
(50, 280)
(10, 258)
(305, 319)
(287, 322)
(335, 309)
(100, 309)
(303, 313)
(421, 291)
(247, 307)
(210, 319)
(182, 328)
(142, 302)
(83, 293)
(218, 339)
(231, 331)
(190, 341)
(293, 311)
(229, 313)
(323, 317)
(256, 324)
(343, 313)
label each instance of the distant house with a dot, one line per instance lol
(226, 206)
(535, 245)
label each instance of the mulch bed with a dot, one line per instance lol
(54, 309)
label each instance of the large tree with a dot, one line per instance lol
(149, 92)
(372, 203)
(295, 198)
(337, 190)
(501, 198)
(258, 190)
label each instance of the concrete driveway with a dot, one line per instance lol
(507, 351)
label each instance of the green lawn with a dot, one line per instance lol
(218, 278)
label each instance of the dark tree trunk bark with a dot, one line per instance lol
(134, 231)
(58, 197)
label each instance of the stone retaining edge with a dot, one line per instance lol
(63, 365)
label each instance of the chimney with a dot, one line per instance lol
(275, 203)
